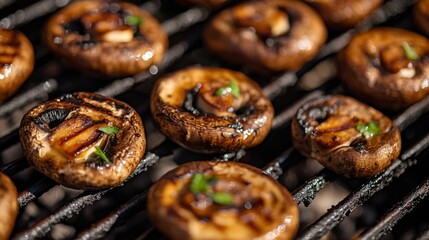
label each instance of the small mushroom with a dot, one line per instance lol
(107, 39)
(8, 206)
(222, 200)
(83, 140)
(421, 16)
(346, 136)
(16, 61)
(344, 14)
(386, 67)
(211, 110)
(266, 36)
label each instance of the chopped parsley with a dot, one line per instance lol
(222, 198)
(201, 185)
(135, 21)
(110, 130)
(231, 88)
(369, 129)
(410, 53)
(101, 154)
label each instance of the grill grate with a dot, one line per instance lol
(183, 28)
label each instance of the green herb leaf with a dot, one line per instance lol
(111, 130)
(133, 21)
(231, 88)
(369, 129)
(410, 53)
(222, 198)
(198, 184)
(101, 154)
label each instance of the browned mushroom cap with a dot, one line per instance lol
(211, 110)
(209, 3)
(266, 36)
(8, 206)
(222, 200)
(106, 38)
(421, 16)
(83, 140)
(16, 61)
(344, 14)
(346, 136)
(386, 67)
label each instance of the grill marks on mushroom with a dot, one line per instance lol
(377, 67)
(257, 207)
(8, 206)
(199, 108)
(346, 136)
(16, 61)
(60, 138)
(266, 36)
(106, 38)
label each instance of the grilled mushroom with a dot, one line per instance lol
(266, 36)
(83, 140)
(208, 3)
(211, 110)
(346, 136)
(344, 14)
(8, 206)
(16, 61)
(421, 16)
(222, 200)
(387, 67)
(104, 38)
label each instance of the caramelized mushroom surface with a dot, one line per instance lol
(211, 110)
(8, 206)
(16, 61)
(386, 67)
(266, 36)
(346, 136)
(421, 16)
(83, 140)
(344, 14)
(222, 200)
(104, 38)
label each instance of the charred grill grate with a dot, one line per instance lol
(183, 27)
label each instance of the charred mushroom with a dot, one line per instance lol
(421, 16)
(104, 38)
(266, 36)
(387, 67)
(211, 110)
(344, 14)
(222, 200)
(346, 136)
(208, 3)
(83, 140)
(8, 206)
(16, 61)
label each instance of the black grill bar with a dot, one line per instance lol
(14, 167)
(406, 205)
(35, 191)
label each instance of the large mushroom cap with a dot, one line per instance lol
(421, 16)
(105, 38)
(222, 200)
(66, 138)
(8, 206)
(346, 136)
(196, 108)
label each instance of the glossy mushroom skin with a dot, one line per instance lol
(8, 206)
(421, 16)
(262, 209)
(59, 137)
(209, 133)
(344, 14)
(326, 129)
(374, 67)
(16, 61)
(266, 36)
(75, 34)
(208, 3)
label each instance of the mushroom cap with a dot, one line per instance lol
(361, 72)
(125, 151)
(340, 147)
(289, 51)
(208, 133)
(104, 58)
(421, 16)
(8, 206)
(271, 212)
(16, 61)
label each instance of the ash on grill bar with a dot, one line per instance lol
(393, 204)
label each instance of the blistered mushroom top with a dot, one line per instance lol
(8, 206)
(106, 38)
